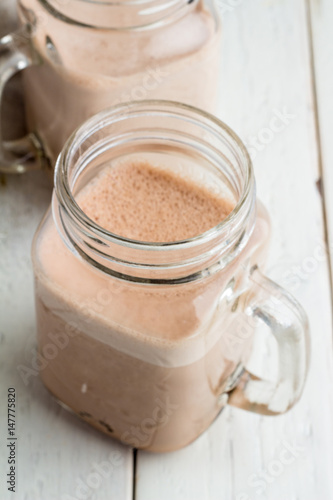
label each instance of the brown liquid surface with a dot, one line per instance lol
(145, 364)
(140, 202)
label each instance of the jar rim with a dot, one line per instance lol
(174, 9)
(122, 111)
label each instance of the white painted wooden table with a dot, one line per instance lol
(277, 58)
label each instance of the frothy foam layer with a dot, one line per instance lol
(139, 201)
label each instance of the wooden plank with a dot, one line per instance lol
(322, 42)
(58, 456)
(265, 73)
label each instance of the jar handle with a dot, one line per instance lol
(288, 323)
(25, 153)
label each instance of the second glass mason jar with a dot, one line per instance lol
(149, 341)
(80, 57)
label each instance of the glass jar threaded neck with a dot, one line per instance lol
(175, 133)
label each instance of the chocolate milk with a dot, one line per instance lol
(84, 71)
(145, 364)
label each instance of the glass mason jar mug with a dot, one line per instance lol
(149, 341)
(80, 57)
